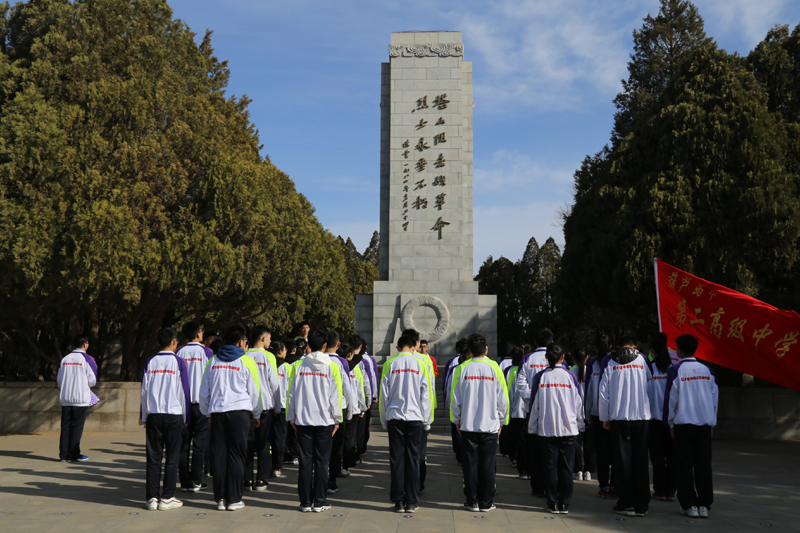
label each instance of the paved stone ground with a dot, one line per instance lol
(756, 490)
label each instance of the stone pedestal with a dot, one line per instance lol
(426, 201)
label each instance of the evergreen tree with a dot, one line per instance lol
(132, 192)
(373, 251)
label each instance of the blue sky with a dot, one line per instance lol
(545, 74)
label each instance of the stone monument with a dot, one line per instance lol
(426, 275)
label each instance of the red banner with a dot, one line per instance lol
(735, 330)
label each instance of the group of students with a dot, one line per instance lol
(240, 406)
(613, 410)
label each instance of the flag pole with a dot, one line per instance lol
(658, 299)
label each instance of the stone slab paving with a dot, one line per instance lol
(757, 489)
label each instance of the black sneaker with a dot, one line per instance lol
(626, 511)
(248, 485)
(411, 508)
(399, 507)
(487, 508)
(641, 513)
(553, 509)
(261, 485)
(472, 507)
(563, 508)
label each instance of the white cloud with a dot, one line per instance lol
(746, 21)
(545, 54)
(511, 171)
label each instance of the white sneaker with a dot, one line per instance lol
(577, 476)
(305, 509)
(221, 505)
(171, 503)
(277, 473)
(152, 504)
(236, 506)
(691, 512)
(345, 473)
(702, 511)
(587, 476)
(321, 508)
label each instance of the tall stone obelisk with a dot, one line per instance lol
(426, 275)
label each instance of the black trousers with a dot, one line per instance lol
(228, 448)
(364, 439)
(535, 469)
(163, 439)
(314, 449)
(277, 439)
(665, 475)
(558, 456)
(602, 445)
(505, 445)
(631, 473)
(589, 451)
(258, 445)
(193, 439)
(456, 438)
(291, 452)
(361, 434)
(350, 454)
(337, 454)
(405, 448)
(423, 461)
(72, 420)
(693, 461)
(479, 451)
(578, 454)
(517, 430)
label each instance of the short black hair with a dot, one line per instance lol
(355, 341)
(414, 334)
(256, 333)
(303, 323)
(78, 341)
(406, 341)
(687, 344)
(300, 344)
(344, 350)
(166, 336)
(627, 339)
(235, 334)
(191, 329)
(477, 345)
(516, 356)
(543, 338)
(290, 345)
(554, 353)
(333, 339)
(461, 346)
(276, 347)
(423, 341)
(316, 340)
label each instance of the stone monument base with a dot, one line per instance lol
(442, 311)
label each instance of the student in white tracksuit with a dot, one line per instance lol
(601, 437)
(230, 396)
(76, 374)
(517, 429)
(406, 412)
(279, 427)
(258, 439)
(691, 402)
(532, 364)
(194, 437)
(314, 408)
(557, 416)
(166, 410)
(359, 392)
(337, 450)
(479, 409)
(662, 455)
(624, 407)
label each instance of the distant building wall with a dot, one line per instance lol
(744, 413)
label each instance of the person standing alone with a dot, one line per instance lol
(76, 374)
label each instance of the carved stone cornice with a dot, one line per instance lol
(426, 50)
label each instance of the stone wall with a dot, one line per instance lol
(34, 407)
(744, 413)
